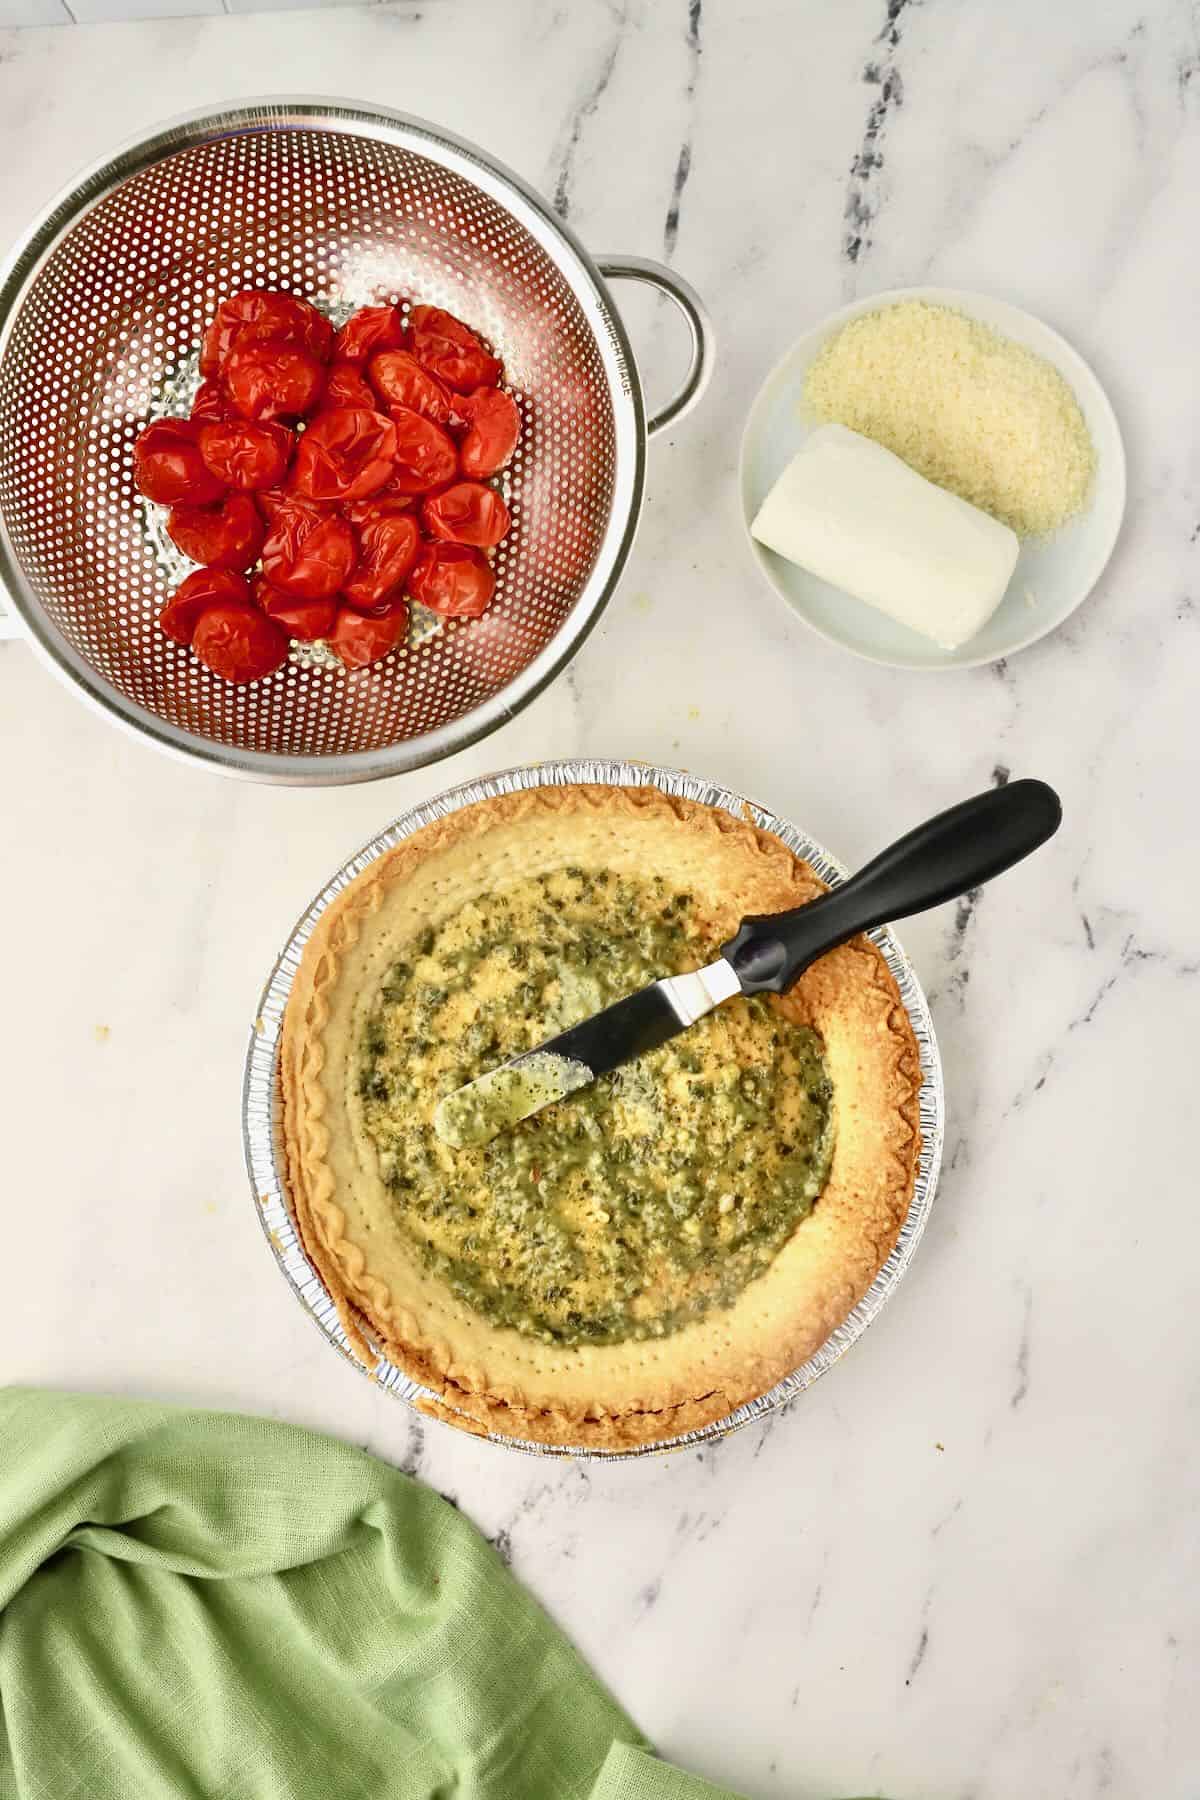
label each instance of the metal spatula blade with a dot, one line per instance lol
(478, 1112)
(938, 861)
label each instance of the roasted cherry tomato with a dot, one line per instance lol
(239, 643)
(346, 454)
(397, 489)
(450, 350)
(272, 380)
(228, 535)
(359, 640)
(425, 454)
(399, 380)
(371, 328)
(209, 403)
(380, 505)
(493, 427)
(387, 550)
(305, 619)
(467, 513)
(347, 386)
(453, 579)
(308, 553)
(256, 314)
(246, 455)
(269, 501)
(192, 598)
(168, 466)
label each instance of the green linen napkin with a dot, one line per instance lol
(225, 1608)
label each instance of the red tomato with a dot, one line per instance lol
(450, 351)
(192, 598)
(454, 580)
(305, 619)
(387, 550)
(400, 380)
(360, 641)
(245, 455)
(258, 313)
(347, 387)
(371, 328)
(425, 454)
(346, 454)
(308, 553)
(269, 501)
(467, 513)
(494, 425)
(226, 536)
(272, 379)
(168, 466)
(209, 403)
(239, 643)
(380, 505)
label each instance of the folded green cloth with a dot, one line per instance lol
(204, 1605)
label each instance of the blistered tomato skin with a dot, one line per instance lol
(346, 454)
(451, 350)
(308, 553)
(307, 620)
(425, 457)
(387, 550)
(239, 643)
(370, 329)
(209, 404)
(378, 506)
(257, 314)
(493, 427)
(228, 535)
(399, 380)
(454, 580)
(270, 500)
(168, 466)
(359, 641)
(246, 455)
(467, 513)
(346, 385)
(272, 380)
(192, 598)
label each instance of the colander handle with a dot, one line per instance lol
(685, 297)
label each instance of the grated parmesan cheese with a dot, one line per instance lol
(967, 408)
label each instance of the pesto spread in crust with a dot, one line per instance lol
(642, 1360)
(634, 1205)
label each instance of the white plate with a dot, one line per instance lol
(1053, 574)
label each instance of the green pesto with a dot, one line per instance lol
(636, 1204)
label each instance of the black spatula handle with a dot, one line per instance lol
(938, 861)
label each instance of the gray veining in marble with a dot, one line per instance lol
(964, 1566)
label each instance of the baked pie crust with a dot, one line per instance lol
(494, 1378)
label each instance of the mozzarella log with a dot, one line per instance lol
(852, 513)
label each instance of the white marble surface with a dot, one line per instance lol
(95, 12)
(965, 1565)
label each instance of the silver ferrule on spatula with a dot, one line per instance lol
(698, 993)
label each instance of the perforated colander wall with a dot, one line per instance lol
(113, 319)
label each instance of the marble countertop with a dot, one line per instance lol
(965, 1564)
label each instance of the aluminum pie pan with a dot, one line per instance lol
(262, 1099)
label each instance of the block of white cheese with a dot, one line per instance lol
(849, 511)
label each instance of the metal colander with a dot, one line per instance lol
(101, 313)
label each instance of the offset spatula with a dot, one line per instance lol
(940, 860)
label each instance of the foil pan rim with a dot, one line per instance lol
(263, 1147)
